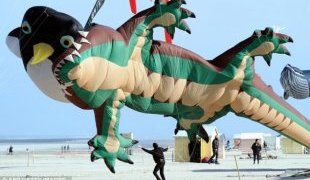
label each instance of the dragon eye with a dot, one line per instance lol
(66, 41)
(26, 27)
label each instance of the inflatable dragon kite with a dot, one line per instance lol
(104, 69)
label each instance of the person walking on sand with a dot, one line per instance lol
(159, 158)
(11, 150)
(215, 150)
(256, 148)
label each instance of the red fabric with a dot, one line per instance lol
(168, 38)
(133, 6)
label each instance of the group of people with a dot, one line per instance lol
(256, 148)
(159, 158)
(65, 148)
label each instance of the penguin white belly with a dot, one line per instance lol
(42, 75)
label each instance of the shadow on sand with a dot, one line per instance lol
(288, 173)
(250, 170)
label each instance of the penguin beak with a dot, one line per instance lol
(41, 52)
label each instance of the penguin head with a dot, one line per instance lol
(44, 34)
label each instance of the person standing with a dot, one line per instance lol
(11, 150)
(256, 148)
(159, 159)
(215, 150)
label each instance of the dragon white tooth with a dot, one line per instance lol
(67, 93)
(62, 62)
(84, 40)
(77, 45)
(83, 33)
(61, 86)
(69, 58)
(76, 53)
(59, 65)
(68, 84)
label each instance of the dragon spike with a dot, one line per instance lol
(183, 26)
(84, 40)
(282, 50)
(77, 45)
(268, 58)
(83, 33)
(187, 13)
(69, 58)
(76, 53)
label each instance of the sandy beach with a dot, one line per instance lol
(48, 160)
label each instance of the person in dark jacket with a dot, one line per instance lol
(159, 159)
(215, 150)
(256, 148)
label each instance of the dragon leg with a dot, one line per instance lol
(108, 142)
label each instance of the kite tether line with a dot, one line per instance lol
(93, 13)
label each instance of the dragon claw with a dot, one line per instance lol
(173, 8)
(282, 50)
(122, 156)
(290, 39)
(116, 152)
(275, 41)
(183, 26)
(110, 164)
(268, 31)
(257, 33)
(185, 13)
(135, 141)
(93, 157)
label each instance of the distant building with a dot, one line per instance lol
(196, 151)
(128, 135)
(289, 146)
(244, 141)
(272, 142)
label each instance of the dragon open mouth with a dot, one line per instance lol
(70, 56)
